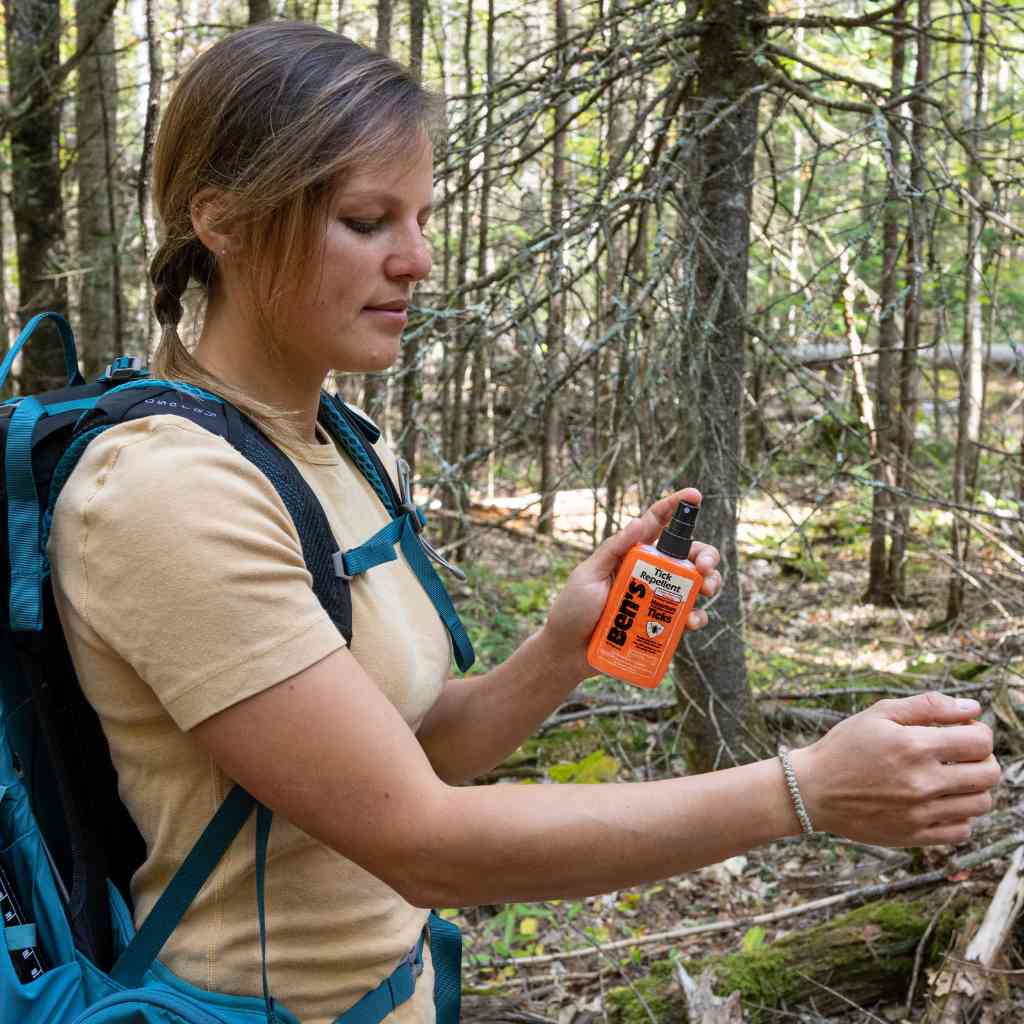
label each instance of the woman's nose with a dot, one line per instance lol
(412, 258)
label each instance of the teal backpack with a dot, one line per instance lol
(68, 848)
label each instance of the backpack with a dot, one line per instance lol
(68, 847)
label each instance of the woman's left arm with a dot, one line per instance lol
(479, 720)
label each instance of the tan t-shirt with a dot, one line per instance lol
(181, 585)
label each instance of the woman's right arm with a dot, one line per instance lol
(329, 752)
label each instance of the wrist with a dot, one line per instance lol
(559, 660)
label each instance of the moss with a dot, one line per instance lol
(871, 949)
(658, 989)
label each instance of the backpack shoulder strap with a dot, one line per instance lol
(139, 399)
(405, 531)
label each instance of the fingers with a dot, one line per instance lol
(697, 619)
(956, 742)
(959, 779)
(928, 709)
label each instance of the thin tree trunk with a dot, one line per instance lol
(259, 10)
(384, 15)
(456, 446)
(554, 335)
(880, 589)
(373, 400)
(971, 397)
(100, 319)
(156, 74)
(912, 309)
(410, 373)
(481, 349)
(722, 725)
(33, 55)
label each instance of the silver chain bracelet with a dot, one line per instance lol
(794, 792)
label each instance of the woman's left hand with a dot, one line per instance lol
(578, 606)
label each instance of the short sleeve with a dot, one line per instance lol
(178, 553)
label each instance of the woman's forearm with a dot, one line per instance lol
(479, 720)
(526, 843)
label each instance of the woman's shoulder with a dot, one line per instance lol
(147, 467)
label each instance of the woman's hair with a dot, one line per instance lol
(273, 117)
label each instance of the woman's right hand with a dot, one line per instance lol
(907, 772)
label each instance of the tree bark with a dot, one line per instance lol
(881, 588)
(100, 302)
(722, 725)
(33, 57)
(410, 373)
(972, 383)
(913, 305)
(259, 10)
(554, 333)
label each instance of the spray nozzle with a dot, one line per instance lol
(676, 537)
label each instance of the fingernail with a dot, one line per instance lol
(967, 704)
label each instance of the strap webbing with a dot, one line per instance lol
(264, 819)
(380, 548)
(23, 518)
(67, 339)
(390, 993)
(446, 956)
(183, 888)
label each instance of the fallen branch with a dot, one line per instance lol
(607, 709)
(869, 892)
(957, 990)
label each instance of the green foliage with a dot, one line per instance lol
(595, 767)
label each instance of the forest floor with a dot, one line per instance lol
(816, 652)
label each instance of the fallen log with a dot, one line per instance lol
(860, 958)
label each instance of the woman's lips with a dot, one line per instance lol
(396, 315)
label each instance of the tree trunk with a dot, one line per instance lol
(881, 588)
(384, 14)
(912, 307)
(722, 723)
(971, 370)
(100, 324)
(33, 56)
(554, 334)
(156, 74)
(410, 373)
(259, 10)
(373, 400)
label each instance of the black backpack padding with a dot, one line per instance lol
(56, 735)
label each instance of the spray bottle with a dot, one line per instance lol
(649, 603)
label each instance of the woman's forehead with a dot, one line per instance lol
(411, 177)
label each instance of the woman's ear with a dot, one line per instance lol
(212, 223)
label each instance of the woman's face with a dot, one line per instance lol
(374, 252)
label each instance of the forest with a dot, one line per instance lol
(770, 250)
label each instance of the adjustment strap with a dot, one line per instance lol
(197, 867)
(264, 819)
(394, 990)
(380, 548)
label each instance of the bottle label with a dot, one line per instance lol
(637, 635)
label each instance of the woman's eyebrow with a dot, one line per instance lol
(387, 198)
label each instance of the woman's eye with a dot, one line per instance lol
(362, 227)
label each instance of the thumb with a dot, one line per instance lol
(928, 709)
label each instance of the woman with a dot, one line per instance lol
(293, 180)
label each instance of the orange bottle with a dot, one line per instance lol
(649, 603)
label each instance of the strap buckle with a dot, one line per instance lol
(123, 368)
(410, 507)
(338, 558)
